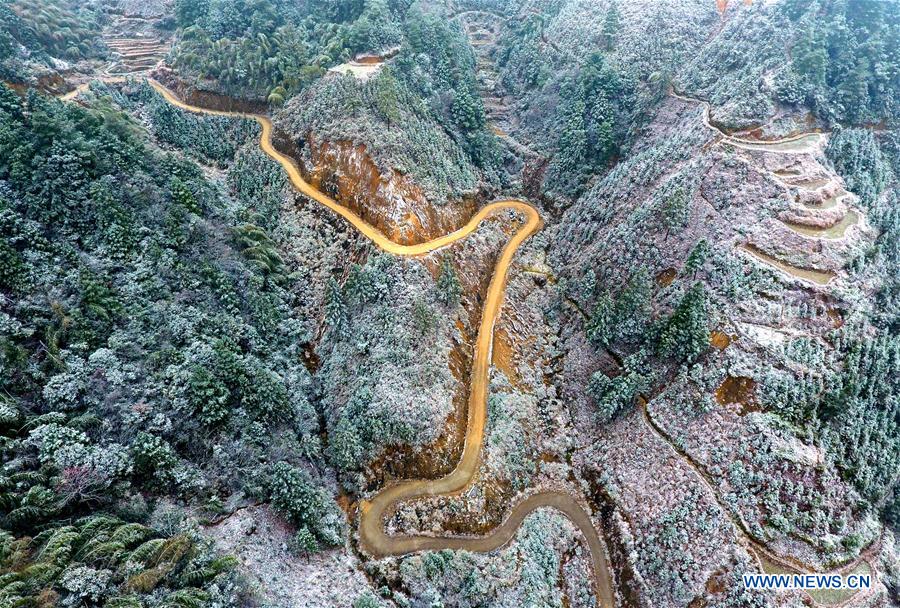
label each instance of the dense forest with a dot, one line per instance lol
(275, 48)
(147, 351)
(35, 34)
(207, 378)
(841, 63)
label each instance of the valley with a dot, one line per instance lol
(481, 302)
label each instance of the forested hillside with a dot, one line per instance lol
(150, 351)
(273, 48)
(448, 303)
(586, 76)
(837, 60)
(424, 107)
(37, 35)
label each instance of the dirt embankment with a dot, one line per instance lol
(194, 96)
(51, 83)
(384, 198)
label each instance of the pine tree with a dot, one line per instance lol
(675, 211)
(10, 103)
(424, 319)
(305, 542)
(573, 137)
(697, 258)
(449, 290)
(467, 111)
(854, 90)
(614, 395)
(183, 197)
(810, 58)
(633, 306)
(335, 307)
(686, 335)
(387, 99)
(611, 25)
(601, 327)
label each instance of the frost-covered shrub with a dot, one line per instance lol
(64, 390)
(526, 573)
(84, 586)
(385, 375)
(305, 504)
(103, 561)
(511, 445)
(366, 600)
(155, 458)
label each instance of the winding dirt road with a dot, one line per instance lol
(373, 512)
(811, 275)
(793, 144)
(801, 143)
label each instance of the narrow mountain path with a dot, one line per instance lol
(799, 144)
(373, 512)
(810, 275)
(763, 553)
(482, 29)
(803, 143)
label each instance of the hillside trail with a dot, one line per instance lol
(764, 555)
(799, 144)
(137, 46)
(802, 143)
(374, 511)
(482, 30)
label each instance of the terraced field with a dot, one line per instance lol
(135, 54)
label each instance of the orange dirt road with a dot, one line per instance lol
(373, 512)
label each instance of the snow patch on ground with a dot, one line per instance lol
(363, 71)
(260, 540)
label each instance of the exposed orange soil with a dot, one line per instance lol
(837, 320)
(736, 389)
(373, 512)
(504, 357)
(719, 340)
(665, 278)
(723, 4)
(389, 201)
